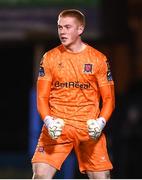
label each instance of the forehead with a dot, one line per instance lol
(67, 20)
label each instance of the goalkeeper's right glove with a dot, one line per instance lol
(54, 126)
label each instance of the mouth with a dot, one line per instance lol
(63, 39)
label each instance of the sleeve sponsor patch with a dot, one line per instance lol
(109, 74)
(41, 71)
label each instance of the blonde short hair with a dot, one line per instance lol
(73, 13)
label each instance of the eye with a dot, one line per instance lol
(60, 27)
(68, 26)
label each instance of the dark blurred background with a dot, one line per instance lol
(27, 30)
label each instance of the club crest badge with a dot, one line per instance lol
(88, 68)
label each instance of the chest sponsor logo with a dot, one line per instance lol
(72, 85)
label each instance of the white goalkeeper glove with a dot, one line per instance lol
(54, 126)
(95, 127)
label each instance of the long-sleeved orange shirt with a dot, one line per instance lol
(70, 86)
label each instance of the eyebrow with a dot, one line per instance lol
(64, 25)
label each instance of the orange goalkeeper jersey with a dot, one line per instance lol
(73, 86)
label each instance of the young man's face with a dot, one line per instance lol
(69, 30)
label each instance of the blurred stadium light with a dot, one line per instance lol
(22, 19)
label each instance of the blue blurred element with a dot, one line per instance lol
(69, 168)
(35, 125)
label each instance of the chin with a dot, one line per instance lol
(66, 44)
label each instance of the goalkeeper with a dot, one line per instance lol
(73, 78)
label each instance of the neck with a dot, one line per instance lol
(76, 47)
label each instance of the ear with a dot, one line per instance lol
(80, 29)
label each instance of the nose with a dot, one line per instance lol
(62, 31)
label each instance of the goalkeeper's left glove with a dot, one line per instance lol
(54, 126)
(95, 127)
